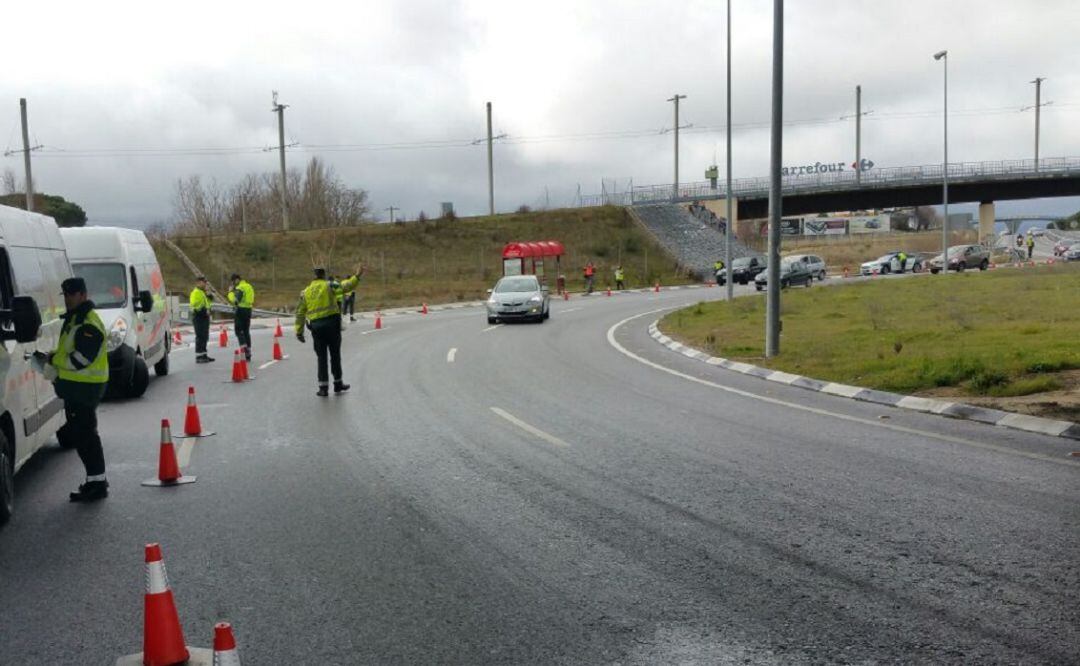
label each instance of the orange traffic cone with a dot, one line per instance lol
(192, 423)
(177, 339)
(423, 310)
(168, 469)
(237, 367)
(277, 331)
(244, 367)
(278, 356)
(163, 638)
(656, 288)
(225, 653)
(223, 338)
(378, 321)
(609, 292)
(566, 295)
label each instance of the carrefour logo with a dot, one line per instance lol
(827, 167)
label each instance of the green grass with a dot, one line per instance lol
(1000, 333)
(434, 261)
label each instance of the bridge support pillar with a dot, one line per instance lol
(986, 220)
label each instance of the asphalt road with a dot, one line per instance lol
(561, 493)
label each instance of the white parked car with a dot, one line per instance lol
(890, 263)
(125, 283)
(33, 264)
(814, 264)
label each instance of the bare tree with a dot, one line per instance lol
(9, 182)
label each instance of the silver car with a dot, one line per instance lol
(518, 297)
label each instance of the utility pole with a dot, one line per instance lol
(243, 213)
(491, 167)
(1038, 103)
(280, 110)
(945, 170)
(772, 303)
(26, 156)
(392, 209)
(727, 169)
(675, 191)
(858, 135)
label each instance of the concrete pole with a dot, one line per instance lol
(491, 168)
(1038, 103)
(944, 55)
(26, 156)
(730, 217)
(772, 304)
(675, 191)
(280, 109)
(858, 135)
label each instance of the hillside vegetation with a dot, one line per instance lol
(432, 261)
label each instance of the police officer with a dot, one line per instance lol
(242, 297)
(902, 258)
(1030, 244)
(320, 310)
(82, 373)
(620, 277)
(718, 271)
(200, 302)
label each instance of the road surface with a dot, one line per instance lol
(561, 493)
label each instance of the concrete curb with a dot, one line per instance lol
(957, 410)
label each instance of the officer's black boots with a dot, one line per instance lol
(91, 491)
(322, 392)
(340, 387)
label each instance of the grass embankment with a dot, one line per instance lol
(1003, 333)
(434, 261)
(851, 251)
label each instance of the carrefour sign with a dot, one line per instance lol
(825, 167)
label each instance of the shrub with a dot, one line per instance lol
(985, 380)
(258, 250)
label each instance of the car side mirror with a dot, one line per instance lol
(146, 301)
(26, 318)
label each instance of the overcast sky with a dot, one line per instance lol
(197, 76)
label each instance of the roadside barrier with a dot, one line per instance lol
(168, 469)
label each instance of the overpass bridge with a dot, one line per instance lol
(826, 191)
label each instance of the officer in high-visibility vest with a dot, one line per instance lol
(242, 297)
(718, 270)
(620, 278)
(902, 258)
(81, 367)
(200, 302)
(1030, 244)
(320, 311)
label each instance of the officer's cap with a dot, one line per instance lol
(320, 272)
(235, 276)
(75, 285)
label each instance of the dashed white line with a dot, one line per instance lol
(451, 354)
(266, 365)
(491, 328)
(374, 330)
(815, 410)
(183, 454)
(532, 430)
(569, 310)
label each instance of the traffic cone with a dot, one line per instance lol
(244, 367)
(277, 331)
(223, 338)
(378, 321)
(163, 638)
(566, 295)
(168, 469)
(423, 310)
(656, 289)
(609, 292)
(192, 423)
(237, 367)
(177, 339)
(225, 653)
(278, 356)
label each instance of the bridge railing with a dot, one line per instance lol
(825, 180)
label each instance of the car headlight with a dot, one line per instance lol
(117, 335)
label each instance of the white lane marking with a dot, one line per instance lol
(551, 439)
(183, 455)
(569, 310)
(491, 328)
(266, 365)
(451, 354)
(815, 410)
(374, 330)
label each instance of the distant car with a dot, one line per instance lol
(1073, 253)
(813, 263)
(519, 297)
(1063, 246)
(745, 269)
(890, 263)
(962, 257)
(793, 271)
(1037, 231)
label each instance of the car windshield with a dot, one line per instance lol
(507, 285)
(105, 283)
(741, 262)
(885, 258)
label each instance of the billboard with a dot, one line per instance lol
(791, 226)
(824, 226)
(869, 224)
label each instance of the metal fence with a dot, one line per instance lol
(829, 181)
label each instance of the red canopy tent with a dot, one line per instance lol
(521, 258)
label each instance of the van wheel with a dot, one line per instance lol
(140, 378)
(984, 264)
(161, 368)
(7, 479)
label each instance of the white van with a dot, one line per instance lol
(33, 264)
(124, 281)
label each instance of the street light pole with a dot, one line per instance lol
(727, 169)
(1038, 103)
(858, 135)
(491, 167)
(944, 56)
(772, 302)
(675, 191)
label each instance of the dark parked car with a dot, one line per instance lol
(793, 271)
(745, 269)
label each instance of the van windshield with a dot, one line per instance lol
(106, 284)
